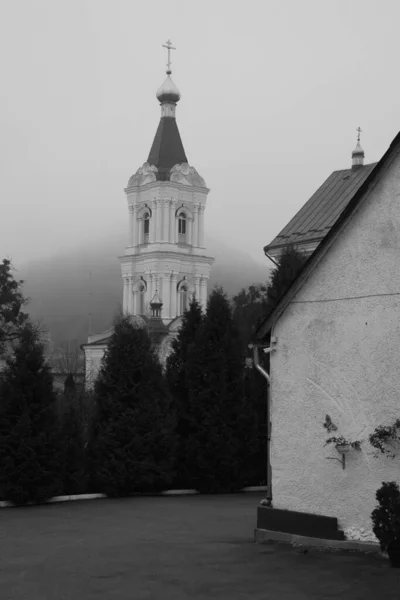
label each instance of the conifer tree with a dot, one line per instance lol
(135, 431)
(224, 425)
(29, 437)
(73, 459)
(290, 263)
(12, 317)
(176, 374)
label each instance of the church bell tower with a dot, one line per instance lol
(166, 202)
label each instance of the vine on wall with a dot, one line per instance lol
(383, 438)
(338, 440)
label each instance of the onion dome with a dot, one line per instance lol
(358, 153)
(168, 92)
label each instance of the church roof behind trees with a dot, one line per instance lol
(167, 149)
(318, 215)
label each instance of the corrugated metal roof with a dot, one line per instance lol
(321, 211)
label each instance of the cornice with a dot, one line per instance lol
(166, 184)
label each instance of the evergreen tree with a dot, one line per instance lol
(176, 374)
(290, 263)
(29, 437)
(12, 317)
(223, 423)
(135, 429)
(248, 309)
(253, 304)
(73, 457)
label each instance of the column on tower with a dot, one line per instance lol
(196, 225)
(130, 296)
(172, 209)
(189, 225)
(135, 240)
(203, 293)
(166, 296)
(153, 222)
(159, 204)
(201, 226)
(126, 295)
(166, 212)
(150, 291)
(139, 230)
(174, 280)
(130, 243)
(177, 230)
(197, 288)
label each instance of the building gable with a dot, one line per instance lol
(385, 175)
(336, 353)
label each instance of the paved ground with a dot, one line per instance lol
(170, 548)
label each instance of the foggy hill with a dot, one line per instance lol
(62, 293)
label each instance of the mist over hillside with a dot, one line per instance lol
(62, 292)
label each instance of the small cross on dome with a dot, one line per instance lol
(168, 45)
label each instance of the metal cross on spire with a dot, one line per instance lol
(359, 132)
(168, 45)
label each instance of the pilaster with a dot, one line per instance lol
(130, 296)
(196, 225)
(197, 289)
(135, 240)
(174, 281)
(201, 225)
(131, 216)
(189, 225)
(166, 212)
(203, 293)
(172, 210)
(153, 222)
(159, 205)
(166, 295)
(126, 295)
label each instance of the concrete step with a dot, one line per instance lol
(298, 523)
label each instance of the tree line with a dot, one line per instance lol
(196, 424)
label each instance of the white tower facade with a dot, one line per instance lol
(166, 201)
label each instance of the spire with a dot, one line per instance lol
(358, 153)
(167, 148)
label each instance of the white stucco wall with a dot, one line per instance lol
(338, 353)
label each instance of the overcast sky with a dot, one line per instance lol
(272, 94)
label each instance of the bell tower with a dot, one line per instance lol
(166, 202)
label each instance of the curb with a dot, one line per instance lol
(261, 536)
(6, 504)
(179, 493)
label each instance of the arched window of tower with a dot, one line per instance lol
(146, 227)
(182, 228)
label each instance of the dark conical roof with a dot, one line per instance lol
(167, 149)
